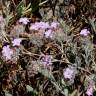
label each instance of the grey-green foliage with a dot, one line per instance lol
(92, 21)
(31, 90)
(17, 30)
(36, 40)
(3, 35)
(7, 93)
(62, 34)
(87, 46)
(7, 11)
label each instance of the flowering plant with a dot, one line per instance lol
(47, 48)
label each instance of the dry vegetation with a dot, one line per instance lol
(47, 47)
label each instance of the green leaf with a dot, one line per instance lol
(19, 9)
(22, 9)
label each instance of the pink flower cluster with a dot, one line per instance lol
(90, 89)
(54, 25)
(84, 32)
(24, 20)
(48, 33)
(7, 51)
(16, 42)
(43, 25)
(46, 60)
(69, 73)
(39, 25)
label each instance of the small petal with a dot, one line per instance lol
(16, 42)
(54, 25)
(48, 34)
(39, 25)
(46, 25)
(24, 20)
(89, 91)
(84, 32)
(68, 73)
(34, 27)
(47, 60)
(7, 52)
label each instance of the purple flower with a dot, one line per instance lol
(16, 42)
(24, 20)
(48, 33)
(39, 25)
(54, 25)
(47, 60)
(34, 27)
(69, 73)
(89, 91)
(42, 25)
(90, 88)
(45, 25)
(7, 52)
(84, 32)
